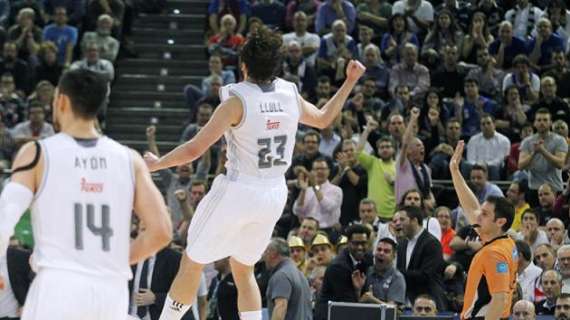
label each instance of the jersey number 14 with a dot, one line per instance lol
(104, 230)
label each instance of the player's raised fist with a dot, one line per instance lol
(354, 70)
(415, 113)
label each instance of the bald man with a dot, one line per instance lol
(556, 232)
(524, 310)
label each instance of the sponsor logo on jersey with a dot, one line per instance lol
(502, 267)
(272, 125)
(91, 186)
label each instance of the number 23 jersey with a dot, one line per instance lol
(82, 210)
(261, 145)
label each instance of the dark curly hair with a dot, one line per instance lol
(262, 54)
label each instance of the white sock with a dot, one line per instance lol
(250, 315)
(173, 310)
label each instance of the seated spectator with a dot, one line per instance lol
(226, 42)
(399, 105)
(217, 9)
(433, 116)
(551, 282)
(530, 233)
(528, 273)
(558, 108)
(410, 73)
(441, 148)
(541, 46)
(108, 46)
(478, 37)
(26, 35)
(332, 10)
(194, 96)
(35, 128)
(365, 35)
(513, 116)
(527, 81)
(488, 147)
(558, 15)
(311, 142)
(523, 17)
(393, 42)
(16, 6)
(376, 70)
(545, 258)
(297, 252)
(322, 252)
(424, 306)
(329, 141)
(75, 9)
(562, 307)
(443, 33)
(546, 201)
(560, 72)
(203, 114)
(19, 69)
(307, 231)
(336, 49)
(44, 94)
(93, 62)
(367, 214)
(443, 215)
(297, 70)
(419, 14)
(449, 77)
(12, 107)
(271, 13)
(63, 35)
(307, 7)
(383, 283)
(516, 194)
(413, 198)
(115, 8)
(524, 310)
(48, 68)
(556, 233)
(506, 47)
(563, 260)
(374, 14)
(309, 42)
(471, 108)
(216, 69)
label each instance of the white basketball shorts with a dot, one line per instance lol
(236, 219)
(69, 295)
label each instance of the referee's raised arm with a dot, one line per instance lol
(467, 199)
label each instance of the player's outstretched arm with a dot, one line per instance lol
(229, 113)
(467, 198)
(322, 118)
(150, 208)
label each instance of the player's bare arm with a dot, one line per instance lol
(467, 199)
(229, 113)
(150, 208)
(322, 118)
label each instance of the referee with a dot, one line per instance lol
(492, 275)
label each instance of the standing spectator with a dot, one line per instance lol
(108, 46)
(558, 108)
(333, 10)
(217, 9)
(288, 293)
(528, 273)
(398, 35)
(551, 282)
(374, 14)
(48, 68)
(477, 38)
(226, 42)
(471, 108)
(419, 14)
(26, 35)
(35, 128)
(337, 283)
(19, 69)
(420, 258)
(516, 194)
(309, 42)
(410, 73)
(527, 81)
(543, 155)
(529, 230)
(443, 215)
(524, 310)
(62, 35)
(94, 62)
(271, 13)
(506, 47)
(541, 46)
(523, 17)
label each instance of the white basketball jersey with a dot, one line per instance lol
(82, 211)
(261, 145)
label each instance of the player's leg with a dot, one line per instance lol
(249, 297)
(183, 290)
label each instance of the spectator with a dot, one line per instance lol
(377, 72)
(471, 108)
(7, 145)
(383, 283)
(226, 42)
(563, 259)
(309, 42)
(75, 9)
(551, 281)
(321, 251)
(319, 199)
(562, 311)
(297, 70)
(222, 295)
(506, 47)
(117, 9)
(523, 17)
(556, 233)
(420, 258)
(307, 7)
(414, 198)
(288, 293)
(545, 257)
(478, 37)
(543, 155)
(381, 170)
(311, 141)
(63, 35)
(400, 104)
(488, 147)
(490, 77)
(524, 310)
(512, 117)
(527, 81)
(217, 9)
(546, 201)
(558, 15)
(203, 114)
(424, 306)
(399, 35)
(331, 11)
(449, 77)
(443, 215)
(35, 128)
(108, 46)
(530, 233)
(297, 252)
(541, 46)
(12, 107)
(433, 115)
(560, 72)
(444, 33)
(442, 148)
(419, 14)
(528, 273)
(516, 194)
(391, 229)
(19, 69)
(14, 9)
(352, 179)
(26, 35)
(367, 214)
(308, 230)
(337, 282)
(48, 68)
(410, 73)
(374, 14)
(336, 48)
(94, 62)
(558, 108)
(215, 67)
(271, 13)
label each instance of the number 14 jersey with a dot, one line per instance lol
(82, 210)
(261, 145)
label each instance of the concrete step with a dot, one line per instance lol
(172, 21)
(186, 7)
(150, 35)
(157, 67)
(127, 82)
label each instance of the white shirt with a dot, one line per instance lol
(137, 282)
(534, 82)
(423, 12)
(326, 211)
(491, 151)
(411, 245)
(384, 232)
(307, 40)
(433, 227)
(327, 146)
(527, 280)
(8, 303)
(520, 27)
(541, 238)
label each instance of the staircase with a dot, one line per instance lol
(149, 89)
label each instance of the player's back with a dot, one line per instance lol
(262, 144)
(82, 211)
